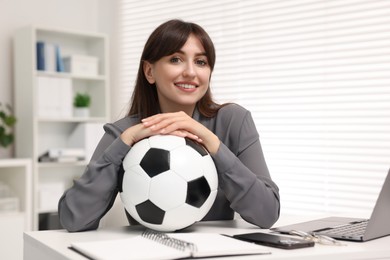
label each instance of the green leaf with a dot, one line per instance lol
(6, 140)
(10, 120)
(6, 123)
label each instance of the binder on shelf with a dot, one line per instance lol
(46, 108)
(40, 55)
(65, 97)
(54, 97)
(59, 62)
(157, 245)
(49, 57)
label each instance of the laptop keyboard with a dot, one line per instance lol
(352, 229)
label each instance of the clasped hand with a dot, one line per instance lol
(177, 123)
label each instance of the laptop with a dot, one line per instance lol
(351, 229)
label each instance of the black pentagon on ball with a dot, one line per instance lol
(197, 147)
(150, 213)
(155, 161)
(198, 191)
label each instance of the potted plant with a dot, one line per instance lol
(7, 121)
(81, 104)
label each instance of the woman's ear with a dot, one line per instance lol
(148, 71)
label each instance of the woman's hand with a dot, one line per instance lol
(140, 131)
(135, 133)
(180, 124)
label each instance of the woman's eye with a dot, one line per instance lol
(175, 60)
(201, 62)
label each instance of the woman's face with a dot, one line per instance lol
(181, 78)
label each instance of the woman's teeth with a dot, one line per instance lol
(187, 86)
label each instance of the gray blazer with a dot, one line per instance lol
(245, 185)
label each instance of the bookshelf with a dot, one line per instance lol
(16, 207)
(36, 132)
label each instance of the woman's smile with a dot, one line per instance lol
(187, 87)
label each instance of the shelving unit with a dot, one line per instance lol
(17, 175)
(35, 134)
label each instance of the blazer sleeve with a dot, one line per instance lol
(83, 205)
(244, 176)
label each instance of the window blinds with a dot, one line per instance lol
(314, 74)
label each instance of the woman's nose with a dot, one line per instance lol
(189, 70)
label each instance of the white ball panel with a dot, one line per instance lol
(162, 228)
(135, 185)
(181, 217)
(136, 153)
(166, 142)
(168, 190)
(187, 163)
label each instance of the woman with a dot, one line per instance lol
(172, 96)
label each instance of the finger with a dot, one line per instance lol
(169, 124)
(152, 120)
(155, 121)
(185, 134)
(158, 117)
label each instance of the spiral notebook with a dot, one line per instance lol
(157, 245)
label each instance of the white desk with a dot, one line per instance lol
(42, 245)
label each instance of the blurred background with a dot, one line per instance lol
(313, 73)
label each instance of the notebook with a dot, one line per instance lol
(351, 229)
(157, 245)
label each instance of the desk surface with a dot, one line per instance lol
(41, 245)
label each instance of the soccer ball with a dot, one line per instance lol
(169, 182)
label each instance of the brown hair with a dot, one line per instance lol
(165, 40)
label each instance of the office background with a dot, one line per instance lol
(314, 73)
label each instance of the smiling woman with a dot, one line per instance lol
(172, 96)
(315, 76)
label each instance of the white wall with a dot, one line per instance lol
(108, 23)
